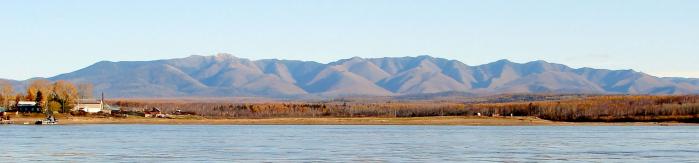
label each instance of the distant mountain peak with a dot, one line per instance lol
(350, 60)
(424, 56)
(224, 56)
(539, 62)
(503, 61)
(356, 58)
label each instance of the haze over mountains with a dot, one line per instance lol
(226, 75)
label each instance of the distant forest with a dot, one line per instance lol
(608, 108)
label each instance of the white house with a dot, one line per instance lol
(89, 106)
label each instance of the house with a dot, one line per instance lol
(2, 112)
(89, 106)
(107, 109)
(155, 113)
(113, 109)
(28, 107)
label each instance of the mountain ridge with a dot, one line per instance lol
(224, 75)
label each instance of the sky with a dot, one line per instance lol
(41, 38)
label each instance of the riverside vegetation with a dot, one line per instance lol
(607, 108)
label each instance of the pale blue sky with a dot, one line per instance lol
(46, 38)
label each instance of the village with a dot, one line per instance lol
(45, 101)
(82, 108)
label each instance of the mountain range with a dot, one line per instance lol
(225, 75)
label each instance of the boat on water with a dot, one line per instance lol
(6, 122)
(50, 120)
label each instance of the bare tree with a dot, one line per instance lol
(85, 90)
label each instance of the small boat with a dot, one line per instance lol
(6, 122)
(48, 121)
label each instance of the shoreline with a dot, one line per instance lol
(436, 121)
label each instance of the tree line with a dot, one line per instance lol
(293, 109)
(57, 96)
(594, 108)
(603, 108)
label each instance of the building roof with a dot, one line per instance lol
(26, 103)
(111, 107)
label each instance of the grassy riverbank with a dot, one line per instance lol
(445, 120)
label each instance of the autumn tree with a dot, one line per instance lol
(7, 94)
(30, 94)
(53, 106)
(64, 93)
(18, 98)
(40, 85)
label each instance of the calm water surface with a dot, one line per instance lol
(196, 143)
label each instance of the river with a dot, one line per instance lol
(299, 143)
